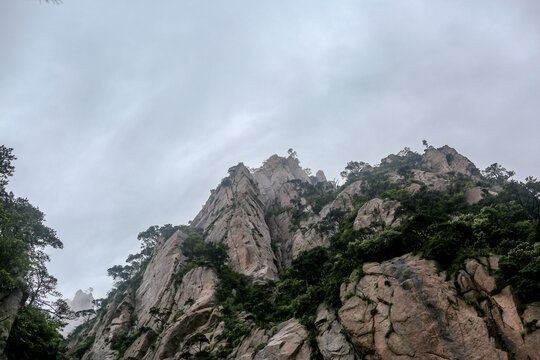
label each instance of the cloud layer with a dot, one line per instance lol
(125, 114)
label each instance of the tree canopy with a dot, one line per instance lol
(23, 266)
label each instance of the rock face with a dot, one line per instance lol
(234, 214)
(403, 309)
(155, 290)
(377, 213)
(274, 174)
(331, 340)
(446, 159)
(287, 344)
(192, 312)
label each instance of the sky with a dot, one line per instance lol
(124, 114)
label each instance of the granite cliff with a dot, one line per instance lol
(400, 262)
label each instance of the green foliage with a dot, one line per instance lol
(84, 346)
(234, 332)
(497, 174)
(317, 195)
(34, 335)
(123, 340)
(259, 348)
(354, 169)
(200, 253)
(226, 181)
(521, 268)
(23, 238)
(308, 321)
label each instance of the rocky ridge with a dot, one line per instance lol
(402, 308)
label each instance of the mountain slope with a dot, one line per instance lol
(283, 265)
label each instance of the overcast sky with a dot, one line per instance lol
(124, 114)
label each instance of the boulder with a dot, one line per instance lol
(287, 344)
(446, 159)
(331, 340)
(379, 213)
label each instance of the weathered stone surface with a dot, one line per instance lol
(532, 344)
(532, 313)
(172, 342)
(474, 195)
(413, 188)
(399, 309)
(303, 241)
(464, 282)
(100, 350)
(276, 172)
(140, 347)
(234, 214)
(404, 309)
(197, 290)
(446, 159)
(480, 275)
(116, 319)
(155, 289)
(122, 316)
(287, 344)
(378, 213)
(345, 200)
(191, 312)
(510, 328)
(331, 341)
(431, 180)
(248, 346)
(320, 176)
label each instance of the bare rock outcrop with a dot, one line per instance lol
(274, 174)
(378, 213)
(320, 176)
(116, 320)
(478, 281)
(250, 345)
(234, 214)
(192, 311)
(446, 159)
(304, 240)
(155, 290)
(287, 344)
(345, 201)
(331, 339)
(403, 309)
(531, 315)
(431, 180)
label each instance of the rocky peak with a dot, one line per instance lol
(446, 159)
(320, 176)
(81, 301)
(276, 172)
(234, 214)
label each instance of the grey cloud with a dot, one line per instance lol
(126, 114)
